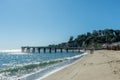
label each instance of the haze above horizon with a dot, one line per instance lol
(44, 22)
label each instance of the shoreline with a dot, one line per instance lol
(59, 69)
(52, 69)
(101, 65)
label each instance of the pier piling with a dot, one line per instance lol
(28, 49)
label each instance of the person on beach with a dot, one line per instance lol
(92, 48)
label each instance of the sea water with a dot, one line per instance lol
(17, 65)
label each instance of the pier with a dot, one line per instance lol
(28, 49)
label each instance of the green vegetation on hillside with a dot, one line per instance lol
(98, 37)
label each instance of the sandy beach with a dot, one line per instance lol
(101, 65)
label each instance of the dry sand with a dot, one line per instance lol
(101, 65)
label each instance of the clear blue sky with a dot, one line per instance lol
(43, 22)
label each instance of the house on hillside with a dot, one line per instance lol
(113, 46)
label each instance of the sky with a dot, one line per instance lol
(44, 22)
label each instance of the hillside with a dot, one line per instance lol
(96, 38)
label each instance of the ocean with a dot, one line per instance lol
(30, 66)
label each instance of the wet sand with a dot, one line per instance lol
(101, 65)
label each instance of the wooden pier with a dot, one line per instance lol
(28, 49)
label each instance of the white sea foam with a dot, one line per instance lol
(2, 77)
(10, 64)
